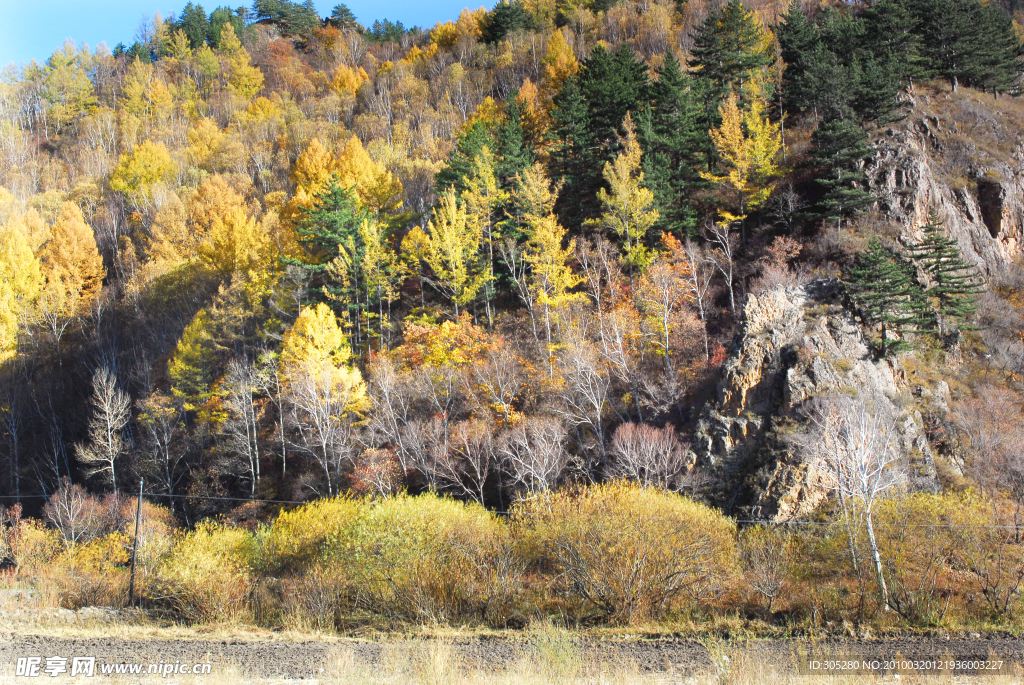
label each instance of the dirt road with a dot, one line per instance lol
(303, 660)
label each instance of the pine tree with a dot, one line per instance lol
(886, 294)
(729, 46)
(674, 136)
(797, 40)
(460, 162)
(839, 153)
(572, 152)
(890, 30)
(332, 227)
(876, 89)
(514, 153)
(953, 283)
(998, 63)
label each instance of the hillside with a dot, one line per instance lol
(728, 265)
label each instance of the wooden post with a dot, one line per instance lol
(135, 545)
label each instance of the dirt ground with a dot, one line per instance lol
(303, 660)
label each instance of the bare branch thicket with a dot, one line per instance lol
(110, 414)
(702, 270)
(320, 418)
(724, 255)
(856, 448)
(534, 454)
(392, 399)
(587, 385)
(990, 429)
(242, 423)
(497, 383)
(649, 455)
(471, 458)
(428, 448)
(77, 515)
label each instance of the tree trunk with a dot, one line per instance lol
(878, 562)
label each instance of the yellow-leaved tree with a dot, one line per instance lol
(72, 270)
(482, 197)
(244, 80)
(629, 208)
(328, 395)
(748, 146)
(139, 170)
(20, 282)
(551, 278)
(451, 248)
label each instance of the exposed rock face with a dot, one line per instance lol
(794, 344)
(925, 163)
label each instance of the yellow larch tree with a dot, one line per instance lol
(140, 169)
(748, 145)
(482, 198)
(326, 393)
(244, 80)
(559, 64)
(629, 208)
(20, 282)
(451, 248)
(376, 188)
(72, 270)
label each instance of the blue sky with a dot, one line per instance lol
(32, 29)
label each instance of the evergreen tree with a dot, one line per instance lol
(460, 162)
(951, 32)
(729, 45)
(886, 294)
(194, 24)
(953, 283)
(572, 153)
(331, 226)
(997, 67)
(587, 125)
(829, 85)
(839, 153)
(514, 152)
(342, 17)
(876, 89)
(891, 30)
(676, 144)
(506, 17)
(797, 39)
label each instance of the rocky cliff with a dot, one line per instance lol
(961, 154)
(794, 344)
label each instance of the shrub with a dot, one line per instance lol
(430, 558)
(300, 538)
(766, 555)
(207, 576)
(626, 551)
(915, 543)
(94, 573)
(990, 554)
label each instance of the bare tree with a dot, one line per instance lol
(702, 270)
(534, 453)
(857, 450)
(242, 424)
(321, 409)
(766, 555)
(75, 513)
(110, 414)
(724, 256)
(587, 384)
(990, 431)
(269, 382)
(471, 458)
(648, 455)
(161, 418)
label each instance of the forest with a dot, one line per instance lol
(259, 257)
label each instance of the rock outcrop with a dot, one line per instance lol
(969, 168)
(794, 344)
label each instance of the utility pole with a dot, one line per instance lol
(135, 545)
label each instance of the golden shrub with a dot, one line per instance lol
(628, 552)
(299, 538)
(429, 558)
(208, 575)
(94, 573)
